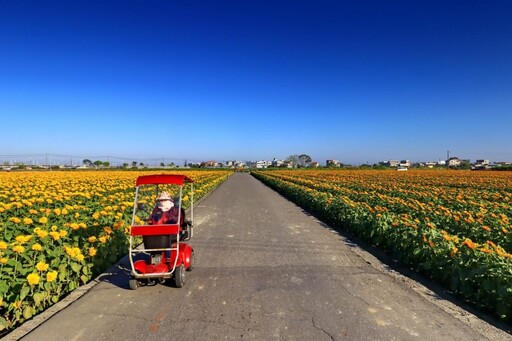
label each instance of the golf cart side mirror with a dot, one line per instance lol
(141, 207)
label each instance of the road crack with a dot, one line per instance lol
(320, 328)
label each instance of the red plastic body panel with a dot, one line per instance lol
(155, 230)
(186, 254)
(173, 179)
(142, 267)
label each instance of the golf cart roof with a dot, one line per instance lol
(157, 179)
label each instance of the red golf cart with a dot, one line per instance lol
(164, 253)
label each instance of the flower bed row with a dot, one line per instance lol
(461, 240)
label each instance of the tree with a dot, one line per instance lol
(98, 163)
(293, 160)
(106, 164)
(465, 165)
(87, 162)
(134, 164)
(304, 160)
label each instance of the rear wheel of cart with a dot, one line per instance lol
(134, 283)
(179, 276)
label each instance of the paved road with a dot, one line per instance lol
(265, 270)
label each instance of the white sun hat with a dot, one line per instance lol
(164, 202)
(164, 196)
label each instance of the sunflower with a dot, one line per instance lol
(33, 279)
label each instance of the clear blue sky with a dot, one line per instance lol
(357, 81)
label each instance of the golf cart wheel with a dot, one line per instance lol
(134, 283)
(191, 265)
(179, 276)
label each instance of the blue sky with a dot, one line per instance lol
(356, 81)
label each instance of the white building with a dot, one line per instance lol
(404, 164)
(332, 163)
(482, 162)
(390, 163)
(278, 163)
(453, 162)
(263, 164)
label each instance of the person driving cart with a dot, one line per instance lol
(166, 211)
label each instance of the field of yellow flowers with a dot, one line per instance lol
(453, 226)
(60, 229)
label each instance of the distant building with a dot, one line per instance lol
(210, 164)
(263, 164)
(482, 163)
(278, 163)
(314, 164)
(404, 164)
(332, 163)
(390, 163)
(453, 162)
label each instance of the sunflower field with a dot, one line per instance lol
(60, 229)
(453, 226)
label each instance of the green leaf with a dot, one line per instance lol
(7, 236)
(76, 267)
(27, 312)
(23, 272)
(38, 297)
(62, 275)
(24, 292)
(55, 263)
(71, 286)
(3, 323)
(4, 287)
(84, 278)
(55, 298)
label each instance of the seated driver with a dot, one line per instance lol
(164, 211)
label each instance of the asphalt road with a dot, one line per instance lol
(264, 270)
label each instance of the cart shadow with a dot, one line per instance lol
(119, 273)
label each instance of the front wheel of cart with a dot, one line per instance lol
(134, 284)
(179, 276)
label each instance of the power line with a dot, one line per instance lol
(67, 157)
